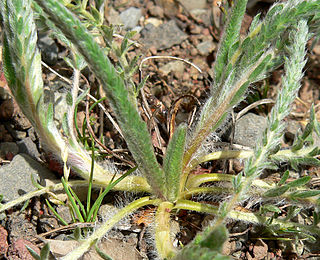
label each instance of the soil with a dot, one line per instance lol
(195, 40)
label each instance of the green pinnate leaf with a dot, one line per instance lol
(215, 238)
(240, 93)
(65, 124)
(261, 68)
(33, 253)
(124, 47)
(49, 115)
(172, 164)
(70, 62)
(271, 208)
(233, 49)
(102, 254)
(284, 178)
(141, 84)
(316, 218)
(276, 192)
(299, 182)
(304, 194)
(292, 212)
(21, 57)
(273, 11)
(245, 43)
(130, 34)
(77, 234)
(311, 161)
(96, 15)
(254, 23)
(230, 36)
(69, 99)
(8, 67)
(237, 181)
(206, 246)
(133, 128)
(45, 252)
(314, 152)
(99, 3)
(108, 34)
(82, 96)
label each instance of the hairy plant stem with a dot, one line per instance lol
(101, 231)
(163, 234)
(250, 35)
(271, 139)
(70, 112)
(219, 155)
(195, 180)
(133, 128)
(243, 216)
(200, 191)
(214, 118)
(281, 155)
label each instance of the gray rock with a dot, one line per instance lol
(316, 49)
(20, 227)
(130, 17)
(114, 17)
(203, 14)
(292, 128)
(47, 223)
(49, 49)
(154, 21)
(164, 36)
(14, 132)
(4, 94)
(64, 212)
(116, 249)
(8, 147)
(248, 129)
(28, 147)
(206, 47)
(192, 4)
(173, 66)
(19, 135)
(137, 29)
(15, 178)
(32, 134)
(157, 11)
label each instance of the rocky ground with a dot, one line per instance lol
(189, 31)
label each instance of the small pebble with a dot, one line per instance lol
(154, 21)
(184, 45)
(7, 109)
(153, 50)
(205, 31)
(316, 49)
(206, 47)
(20, 135)
(194, 39)
(156, 11)
(149, 5)
(130, 17)
(194, 29)
(185, 76)
(193, 51)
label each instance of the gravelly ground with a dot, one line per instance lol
(189, 31)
